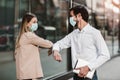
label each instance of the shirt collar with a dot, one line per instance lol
(86, 28)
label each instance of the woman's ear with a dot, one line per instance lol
(28, 25)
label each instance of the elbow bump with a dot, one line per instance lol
(50, 45)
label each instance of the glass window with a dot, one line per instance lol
(23, 7)
(52, 17)
(7, 66)
(6, 12)
(6, 24)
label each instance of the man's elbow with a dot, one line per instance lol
(108, 57)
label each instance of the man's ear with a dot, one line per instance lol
(79, 15)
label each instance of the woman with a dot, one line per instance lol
(28, 65)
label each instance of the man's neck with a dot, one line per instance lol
(82, 25)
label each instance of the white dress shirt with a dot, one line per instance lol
(87, 44)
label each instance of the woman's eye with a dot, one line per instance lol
(35, 21)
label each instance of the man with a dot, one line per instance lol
(86, 43)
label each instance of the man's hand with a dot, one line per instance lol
(83, 71)
(57, 56)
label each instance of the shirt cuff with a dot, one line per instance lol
(55, 48)
(90, 67)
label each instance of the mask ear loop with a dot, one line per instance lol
(75, 27)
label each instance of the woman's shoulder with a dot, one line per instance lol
(29, 34)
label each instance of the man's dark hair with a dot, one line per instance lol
(82, 10)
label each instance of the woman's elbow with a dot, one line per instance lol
(50, 44)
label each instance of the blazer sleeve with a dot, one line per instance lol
(38, 41)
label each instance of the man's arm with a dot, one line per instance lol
(102, 52)
(59, 45)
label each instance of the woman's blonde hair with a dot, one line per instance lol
(24, 28)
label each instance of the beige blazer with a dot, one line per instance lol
(28, 65)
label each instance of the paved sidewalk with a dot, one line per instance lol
(110, 70)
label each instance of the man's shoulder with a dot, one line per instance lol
(74, 31)
(94, 30)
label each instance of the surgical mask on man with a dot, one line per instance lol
(72, 22)
(34, 27)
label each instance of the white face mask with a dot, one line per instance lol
(34, 27)
(72, 22)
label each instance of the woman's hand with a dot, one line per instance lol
(50, 52)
